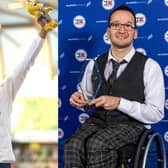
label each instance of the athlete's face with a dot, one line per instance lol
(122, 32)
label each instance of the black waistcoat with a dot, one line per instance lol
(129, 85)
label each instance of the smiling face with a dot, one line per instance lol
(119, 33)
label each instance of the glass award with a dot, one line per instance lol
(90, 81)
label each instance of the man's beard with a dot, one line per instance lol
(121, 46)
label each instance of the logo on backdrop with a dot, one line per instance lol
(166, 2)
(139, 2)
(108, 4)
(140, 19)
(83, 117)
(166, 70)
(166, 104)
(60, 133)
(141, 50)
(106, 39)
(80, 55)
(79, 21)
(79, 4)
(166, 36)
(59, 103)
(166, 136)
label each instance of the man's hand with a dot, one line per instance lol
(47, 24)
(43, 32)
(107, 102)
(41, 15)
(77, 100)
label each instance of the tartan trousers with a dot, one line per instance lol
(96, 147)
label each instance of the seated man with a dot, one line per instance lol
(131, 96)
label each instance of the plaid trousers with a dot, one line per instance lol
(96, 147)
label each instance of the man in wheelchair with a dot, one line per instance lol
(131, 97)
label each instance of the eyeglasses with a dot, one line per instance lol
(117, 26)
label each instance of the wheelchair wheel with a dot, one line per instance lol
(161, 151)
(150, 151)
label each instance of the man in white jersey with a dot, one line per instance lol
(8, 91)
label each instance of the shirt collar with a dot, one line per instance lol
(127, 57)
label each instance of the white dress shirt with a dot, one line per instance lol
(8, 91)
(149, 112)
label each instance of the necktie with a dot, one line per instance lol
(116, 65)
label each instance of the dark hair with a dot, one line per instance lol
(123, 8)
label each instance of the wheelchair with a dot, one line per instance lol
(150, 150)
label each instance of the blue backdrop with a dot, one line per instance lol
(82, 27)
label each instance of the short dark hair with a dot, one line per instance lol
(123, 8)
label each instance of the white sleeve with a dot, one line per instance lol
(152, 110)
(14, 81)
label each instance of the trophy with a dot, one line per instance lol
(41, 13)
(90, 81)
